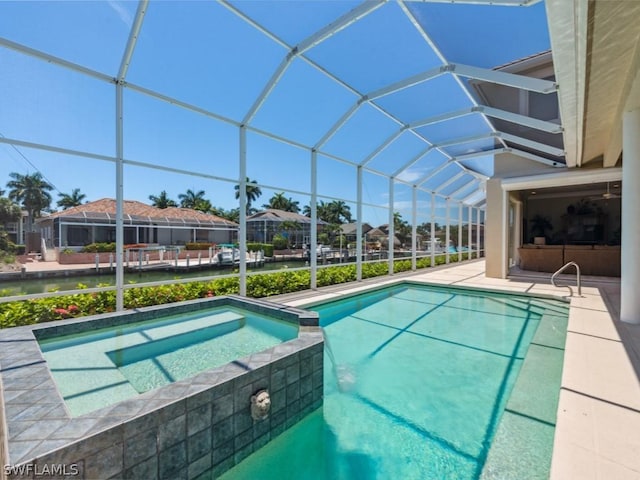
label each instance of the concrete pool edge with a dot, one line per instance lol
(197, 424)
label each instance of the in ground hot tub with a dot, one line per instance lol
(159, 392)
(98, 368)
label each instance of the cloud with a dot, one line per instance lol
(408, 205)
(411, 174)
(122, 12)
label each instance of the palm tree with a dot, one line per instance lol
(401, 228)
(336, 212)
(73, 199)
(280, 202)
(340, 212)
(232, 215)
(290, 227)
(32, 192)
(162, 200)
(203, 205)
(252, 190)
(191, 199)
(9, 212)
(323, 211)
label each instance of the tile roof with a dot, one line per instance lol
(350, 228)
(280, 216)
(138, 212)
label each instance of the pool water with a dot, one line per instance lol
(96, 369)
(424, 379)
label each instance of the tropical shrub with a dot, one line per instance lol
(279, 242)
(6, 245)
(267, 248)
(99, 247)
(27, 312)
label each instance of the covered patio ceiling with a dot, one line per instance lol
(395, 76)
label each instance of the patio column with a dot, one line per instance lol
(630, 218)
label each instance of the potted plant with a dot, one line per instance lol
(539, 226)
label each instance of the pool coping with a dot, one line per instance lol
(32, 403)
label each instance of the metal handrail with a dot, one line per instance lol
(561, 269)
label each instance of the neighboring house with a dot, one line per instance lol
(17, 229)
(262, 226)
(95, 222)
(376, 235)
(381, 234)
(349, 230)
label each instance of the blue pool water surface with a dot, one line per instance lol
(425, 380)
(99, 368)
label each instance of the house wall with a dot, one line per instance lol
(496, 224)
(181, 237)
(256, 231)
(506, 165)
(164, 236)
(221, 236)
(84, 234)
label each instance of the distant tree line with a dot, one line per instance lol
(32, 193)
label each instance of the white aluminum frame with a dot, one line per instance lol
(298, 51)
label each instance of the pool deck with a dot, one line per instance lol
(598, 424)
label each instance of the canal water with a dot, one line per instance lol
(42, 285)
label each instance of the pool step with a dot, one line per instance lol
(527, 426)
(174, 337)
(179, 327)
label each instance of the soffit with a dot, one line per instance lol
(568, 33)
(611, 64)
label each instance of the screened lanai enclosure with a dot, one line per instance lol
(386, 106)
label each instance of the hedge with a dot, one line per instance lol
(99, 247)
(27, 312)
(267, 248)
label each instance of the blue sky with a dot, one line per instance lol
(203, 54)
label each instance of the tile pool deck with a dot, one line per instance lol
(598, 424)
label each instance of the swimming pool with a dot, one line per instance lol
(428, 382)
(102, 367)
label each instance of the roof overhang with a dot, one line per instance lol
(562, 178)
(596, 57)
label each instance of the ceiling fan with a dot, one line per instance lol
(608, 195)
